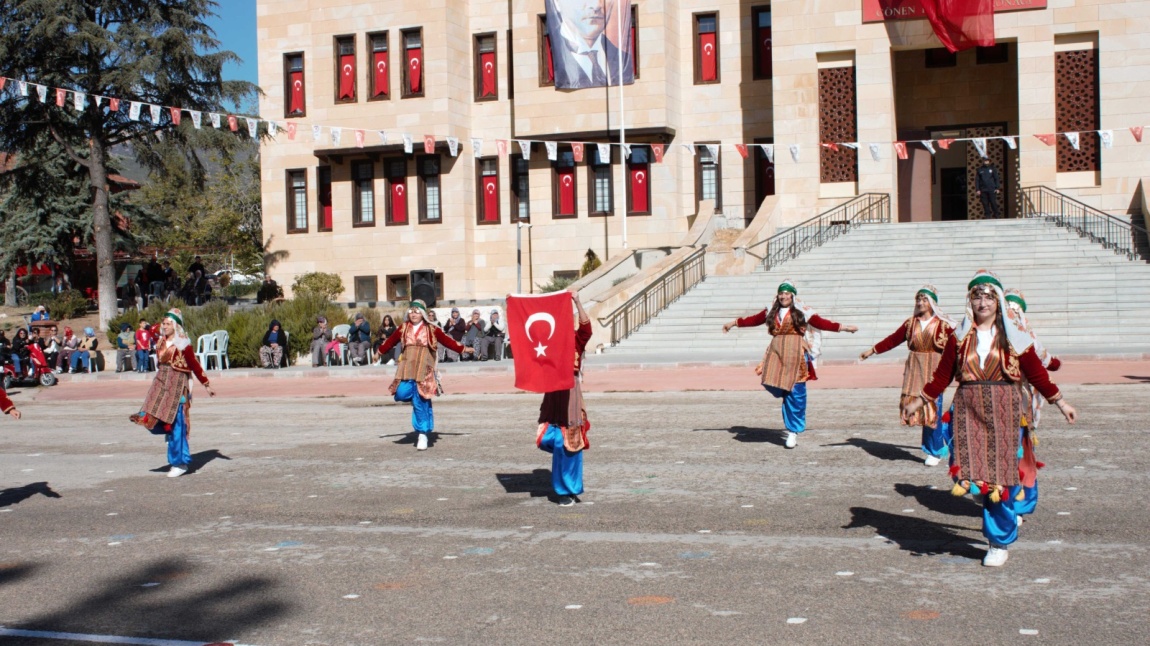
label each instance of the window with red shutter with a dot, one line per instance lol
(395, 170)
(323, 176)
(380, 64)
(345, 69)
(761, 32)
(486, 73)
(294, 89)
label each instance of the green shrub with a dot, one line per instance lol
(296, 316)
(557, 284)
(198, 321)
(316, 283)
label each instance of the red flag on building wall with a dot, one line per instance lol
(291, 127)
(1137, 132)
(961, 24)
(347, 76)
(640, 175)
(295, 103)
(709, 67)
(900, 148)
(1046, 139)
(566, 190)
(429, 144)
(398, 201)
(379, 67)
(577, 150)
(490, 198)
(415, 69)
(657, 149)
(487, 77)
(742, 148)
(542, 332)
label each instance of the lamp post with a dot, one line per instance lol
(519, 256)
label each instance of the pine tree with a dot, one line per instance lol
(156, 52)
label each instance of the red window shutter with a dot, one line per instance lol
(549, 58)
(634, 50)
(709, 64)
(347, 76)
(415, 70)
(487, 74)
(379, 65)
(296, 102)
(325, 205)
(765, 52)
(490, 198)
(398, 201)
(640, 175)
(566, 177)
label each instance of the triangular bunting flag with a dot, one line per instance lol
(552, 150)
(834, 147)
(945, 143)
(114, 105)
(525, 149)
(154, 113)
(316, 133)
(794, 148)
(1010, 143)
(175, 112)
(428, 144)
(382, 136)
(928, 144)
(233, 123)
(875, 153)
(408, 146)
(99, 101)
(657, 152)
(336, 136)
(714, 150)
(1072, 137)
(604, 152)
(690, 148)
(360, 136)
(980, 146)
(501, 147)
(577, 151)
(626, 151)
(22, 87)
(291, 128)
(197, 118)
(134, 111)
(273, 128)
(900, 148)
(453, 146)
(61, 95)
(1107, 138)
(1046, 139)
(1137, 132)
(42, 93)
(215, 119)
(78, 100)
(477, 147)
(769, 151)
(853, 145)
(253, 127)
(742, 148)
(3, 82)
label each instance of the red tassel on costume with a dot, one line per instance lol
(954, 469)
(1039, 465)
(946, 417)
(167, 428)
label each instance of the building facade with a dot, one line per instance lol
(348, 82)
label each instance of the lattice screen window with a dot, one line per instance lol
(838, 123)
(1076, 109)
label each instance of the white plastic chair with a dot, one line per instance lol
(338, 331)
(221, 353)
(205, 347)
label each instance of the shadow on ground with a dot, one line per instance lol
(776, 436)
(199, 461)
(940, 500)
(881, 450)
(915, 535)
(17, 495)
(537, 483)
(409, 437)
(177, 608)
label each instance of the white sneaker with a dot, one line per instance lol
(421, 442)
(792, 440)
(391, 362)
(931, 461)
(176, 472)
(995, 557)
(566, 501)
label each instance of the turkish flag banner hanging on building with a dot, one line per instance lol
(415, 69)
(961, 24)
(639, 177)
(398, 201)
(296, 103)
(542, 332)
(709, 68)
(566, 190)
(347, 76)
(379, 64)
(657, 149)
(487, 86)
(491, 198)
(577, 150)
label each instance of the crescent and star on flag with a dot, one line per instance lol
(540, 349)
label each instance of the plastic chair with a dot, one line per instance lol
(221, 353)
(205, 346)
(338, 331)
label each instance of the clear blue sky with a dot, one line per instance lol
(235, 27)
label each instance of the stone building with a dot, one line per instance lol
(783, 73)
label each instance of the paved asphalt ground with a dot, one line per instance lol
(311, 519)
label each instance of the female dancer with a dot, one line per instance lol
(787, 367)
(169, 402)
(990, 354)
(563, 422)
(415, 380)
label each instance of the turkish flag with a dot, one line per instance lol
(291, 127)
(577, 151)
(429, 144)
(233, 123)
(640, 175)
(1046, 139)
(61, 94)
(547, 55)
(961, 24)
(765, 67)
(415, 70)
(295, 102)
(742, 148)
(1137, 132)
(114, 105)
(379, 63)
(347, 76)
(945, 143)
(657, 149)
(709, 67)
(491, 198)
(900, 148)
(542, 332)
(501, 147)
(566, 176)
(398, 201)
(175, 112)
(487, 85)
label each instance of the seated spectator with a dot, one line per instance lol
(125, 349)
(41, 314)
(50, 346)
(269, 290)
(143, 346)
(140, 291)
(19, 350)
(320, 338)
(273, 346)
(197, 266)
(455, 327)
(85, 353)
(359, 341)
(386, 329)
(492, 342)
(67, 346)
(473, 337)
(5, 349)
(188, 291)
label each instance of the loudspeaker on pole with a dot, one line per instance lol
(423, 286)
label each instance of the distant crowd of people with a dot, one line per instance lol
(159, 281)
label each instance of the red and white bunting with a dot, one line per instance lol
(1047, 139)
(175, 114)
(1137, 132)
(900, 149)
(428, 144)
(360, 136)
(742, 148)
(657, 151)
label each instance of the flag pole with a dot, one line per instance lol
(622, 117)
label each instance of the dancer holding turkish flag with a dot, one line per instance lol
(415, 380)
(555, 370)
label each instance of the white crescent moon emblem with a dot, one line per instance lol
(399, 189)
(640, 176)
(767, 42)
(381, 66)
(414, 63)
(347, 69)
(567, 180)
(298, 85)
(489, 66)
(708, 48)
(539, 316)
(490, 188)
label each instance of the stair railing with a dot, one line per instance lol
(788, 244)
(657, 296)
(1112, 233)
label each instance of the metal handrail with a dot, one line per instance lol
(656, 297)
(788, 244)
(1100, 227)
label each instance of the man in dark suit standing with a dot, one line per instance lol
(583, 56)
(988, 184)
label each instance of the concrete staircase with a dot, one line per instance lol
(869, 276)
